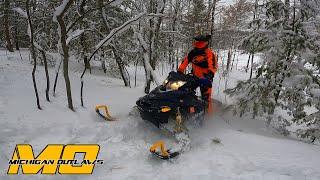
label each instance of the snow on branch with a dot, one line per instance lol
(60, 10)
(115, 2)
(74, 35)
(25, 15)
(144, 45)
(21, 12)
(146, 58)
(91, 10)
(155, 15)
(114, 32)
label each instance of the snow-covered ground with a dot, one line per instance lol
(248, 150)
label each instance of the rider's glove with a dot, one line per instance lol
(209, 75)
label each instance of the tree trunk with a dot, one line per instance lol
(251, 70)
(65, 53)
(156, 31)
(16, 39)
(290, 49)
(34, 55)
(66, 76)
(171, 36)
(103, 66)
(121, 67)
(47, 74)
(287, 9)
(229, 60)
(83, 38)
(233, 59)
(7, 26)
(252, 51)
(81, 88)
(56, 78)
(208, 13)
(214, 3)
(248, 62)
(135, 72)
(149, 72)
(151, 33)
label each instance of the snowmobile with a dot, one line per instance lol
(170, 107)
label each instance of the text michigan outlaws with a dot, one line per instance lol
(55, 158)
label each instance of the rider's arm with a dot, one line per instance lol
(212, 61)
(183, 65)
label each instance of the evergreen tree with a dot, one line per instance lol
(287, 83)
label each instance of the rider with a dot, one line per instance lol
(204, 66)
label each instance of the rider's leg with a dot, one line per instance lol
(206, 96)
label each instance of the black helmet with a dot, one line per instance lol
(202, 38)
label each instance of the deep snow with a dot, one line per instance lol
(248, 150)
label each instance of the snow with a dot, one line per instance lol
(73, 35)
(21, 12)
(315, 92)
(248, 150)
(59, 10)
(115, 2)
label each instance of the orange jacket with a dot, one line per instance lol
(203, 61)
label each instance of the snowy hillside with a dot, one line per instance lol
(248, 150)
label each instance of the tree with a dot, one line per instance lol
(64, 48)
(33, 52)
(114, 46)
(105, 41)
(148, 38)
(213, 11)
(235, 16)
(284, 81)
(7, 26)
(149, 72)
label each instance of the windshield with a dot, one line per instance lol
(174, 85)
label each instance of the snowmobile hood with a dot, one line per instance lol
(161, 103)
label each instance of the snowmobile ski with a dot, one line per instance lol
(170, 156)
(105, 116)
(164, 154)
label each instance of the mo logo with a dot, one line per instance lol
(55, 158)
